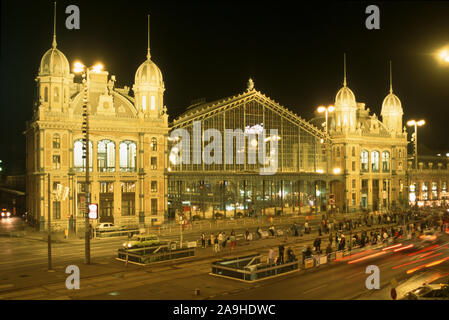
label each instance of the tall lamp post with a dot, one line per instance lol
(326, 111)
(79, 68)
(416, 124)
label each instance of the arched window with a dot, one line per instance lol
(385, 161)
(153, 144)
(106, 156)
(144, 103)
(128, 156)
(353, 151)
(46, 94)
(56, 141)
(79, 162)
(364, 160)
(153, 103)
(56, 94)
(374, 161)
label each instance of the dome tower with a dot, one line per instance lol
(149, 86)
(54, 78)
(392, 110)
(345, 106)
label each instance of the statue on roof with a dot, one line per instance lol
(250, 84)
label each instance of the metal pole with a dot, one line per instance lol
(416, 146)
(49, 224)
(87, 224)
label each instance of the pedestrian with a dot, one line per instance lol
(259, 232)
(290, 255)
(232, 239)
(281, 254)
(211, 239)
(319, 231)
(331, 238)
(329, 251)
(220, 239)
(271, 257)
(216, 245)
(203, 240)
(306, 227)
(247, 234)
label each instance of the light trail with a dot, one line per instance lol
(354, 255)
(412, 262)
(423, 250)
(391, 247)
(367, 257)
(403, 248)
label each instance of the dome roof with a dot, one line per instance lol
(54, 63)
(149, 73)
(345, 98)
(391, 105)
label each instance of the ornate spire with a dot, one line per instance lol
(391, 79)
(344, 69)
(148, 53)
(54, 28)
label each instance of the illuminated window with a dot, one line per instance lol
(153, 186)
(56, 94)
(106, 156)
(375, 161)
(153, 103)
(385, 161)
(56, 210)
(153, 144)
(56, 141)
(153, 163)
(56, 162)
(128, 156)
(425, 191)
(144, 103)
(364, 160)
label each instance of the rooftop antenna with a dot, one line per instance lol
(391, 79)
(344, 69)
(54, 27)
(148, 54)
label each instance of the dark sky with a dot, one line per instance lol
(293, 50)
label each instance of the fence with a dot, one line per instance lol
(147, 255)
(251, 269)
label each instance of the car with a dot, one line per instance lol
(107, 226)
(427, 292)
(5, 213)
(139, 241)
(429, 235)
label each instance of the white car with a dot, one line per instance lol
(107, 226)
(429, 235)
(427, 292)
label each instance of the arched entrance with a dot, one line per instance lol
(337, 193)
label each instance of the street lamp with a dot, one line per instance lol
(443, 55)
(416, 124)
(79, 68)
(326, 110)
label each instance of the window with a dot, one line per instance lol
(353, 165)
(106, 156)
(56, 94)
(79, 162)
(353, 151)
(46, 94)
(338, 151)
(153, 186)
(128, 156)
(153, 103)
(153, 206)
(385, 161)
(434, 190)
(153, 144)
(56, 162)
(425, 189)
(128, 198)
(56, 141)
(56, 210)
(364, 160)
(353, 199)
(106, 187)
(353, 183)
(375, 161)
(144, 103)
(153, 163)
(400, 154)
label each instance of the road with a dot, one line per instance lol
(23, 270)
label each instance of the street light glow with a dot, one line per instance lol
(336, 170)
(97, 68)
(414, 122)
(78, 67)
(321, 109)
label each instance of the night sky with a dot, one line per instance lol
(292, 50)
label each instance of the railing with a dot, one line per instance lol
(147, 255)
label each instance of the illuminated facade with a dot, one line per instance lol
(127, 143)
(232, 185)
(429, 182)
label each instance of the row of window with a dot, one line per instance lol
(57, 142)
(375, 161)
(55, 93)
